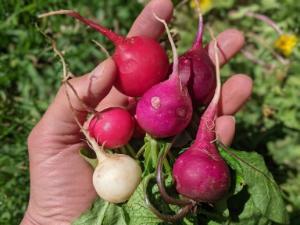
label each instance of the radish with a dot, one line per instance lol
(199, 73)
(166, 108)
(200, 172)
(112, 127)
(141, 61)
(116, 176)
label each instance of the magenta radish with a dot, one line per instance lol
(141, 61)
(112, 127)
(166, 108)
(199, 73)
(200, 173)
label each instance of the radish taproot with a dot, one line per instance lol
(166, 108)
(112, 127)
(141, 61)
(200, 172)
(199, 73)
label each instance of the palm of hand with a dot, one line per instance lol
(61, 182)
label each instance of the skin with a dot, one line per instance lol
(61, 181)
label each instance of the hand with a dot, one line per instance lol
(61, 181)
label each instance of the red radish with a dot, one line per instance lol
(141, 61)
(166, 108)
(200, 172)
(112, 127)
(199, 74)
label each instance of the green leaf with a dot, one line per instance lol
(102, 213)
(264, 192)
(89, 156)
(250, 216)
(137, 211)
(133, 212)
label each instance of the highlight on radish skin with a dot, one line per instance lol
(199, 73)
(141, 61)
(200, 172)
(112, 127)
(166, 108)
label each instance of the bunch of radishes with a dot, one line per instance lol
(164, 109)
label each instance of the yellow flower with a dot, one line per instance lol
(205, 5)
(286, 43)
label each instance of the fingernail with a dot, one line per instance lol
(100, 69)
(97, 71)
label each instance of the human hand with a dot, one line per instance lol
(61, 181)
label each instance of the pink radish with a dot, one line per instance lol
(199, 73)
(200, 172)
(112, 127)
(166, 108)
(141, 61)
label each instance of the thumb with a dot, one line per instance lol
(90, 90)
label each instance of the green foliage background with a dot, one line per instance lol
(30, 74)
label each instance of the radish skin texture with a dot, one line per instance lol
(201, 174)
(166, 109)
(116, 178)
(141, 61)
(112, 127)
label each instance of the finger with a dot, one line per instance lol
(113, 99)
(235, 93)
(230, 42)
(146, 24)
(91, 88)
(225, 129)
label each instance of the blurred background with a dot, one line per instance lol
(30, 74)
